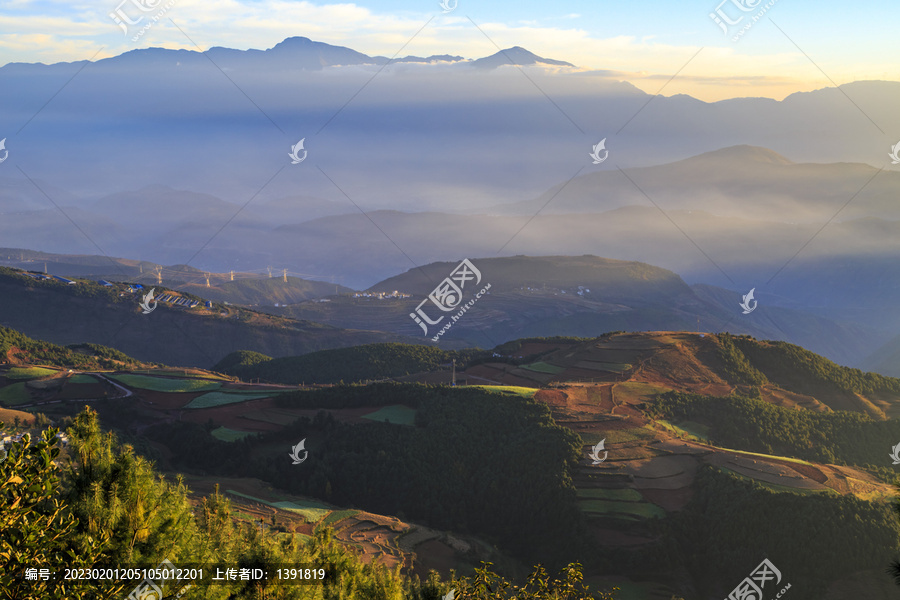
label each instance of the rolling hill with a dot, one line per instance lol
(582, 296)
(717, 450)
(200, 336)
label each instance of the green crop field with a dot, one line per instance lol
(603, 366)
(779, 488)
(402, 415)
(82, 378)
(29, 372)
(691, 429)
(213, 399)
(336, 517)
(229, 435)
(619, 436)
(311, 510)
(621, 494)
(634, 391)
(509, 389)
(15, 394)
(645, 510)
(542, 367)
(159, 384)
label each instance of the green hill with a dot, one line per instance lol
(87, 312)
(359, 363)
(17, 348)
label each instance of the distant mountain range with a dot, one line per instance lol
(293, 53)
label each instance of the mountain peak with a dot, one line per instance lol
(743, 153)
(516, 55)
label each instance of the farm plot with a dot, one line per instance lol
(161, 384)
(19, 373)
(524, 392)
(542, 367)
(228, 435)
(213, 399)
(611, 508)
(616, 494)
(15, 394)
(398, 414)
(312, 511)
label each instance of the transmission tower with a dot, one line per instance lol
(207, 280)
(158, 275)
(285, 275)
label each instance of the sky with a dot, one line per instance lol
(667, 47)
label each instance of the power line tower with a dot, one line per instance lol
(158, 275)
(207, 280)
(453, 373)
(270, 272)
(285, 275)
(232, 275)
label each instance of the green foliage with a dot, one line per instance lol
(569, 585)
(731, 524)
(476, 461)
(799, 370)
(737, 368)
(114, 492)
(838, 437)
(51, 354)
(358, 363)
(37, 529)
(242, 359)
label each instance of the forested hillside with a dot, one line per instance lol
(477, 461)
(98, 505)
(358, 363)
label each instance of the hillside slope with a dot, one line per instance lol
(200, 336)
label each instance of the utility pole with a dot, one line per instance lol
(453, 375)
